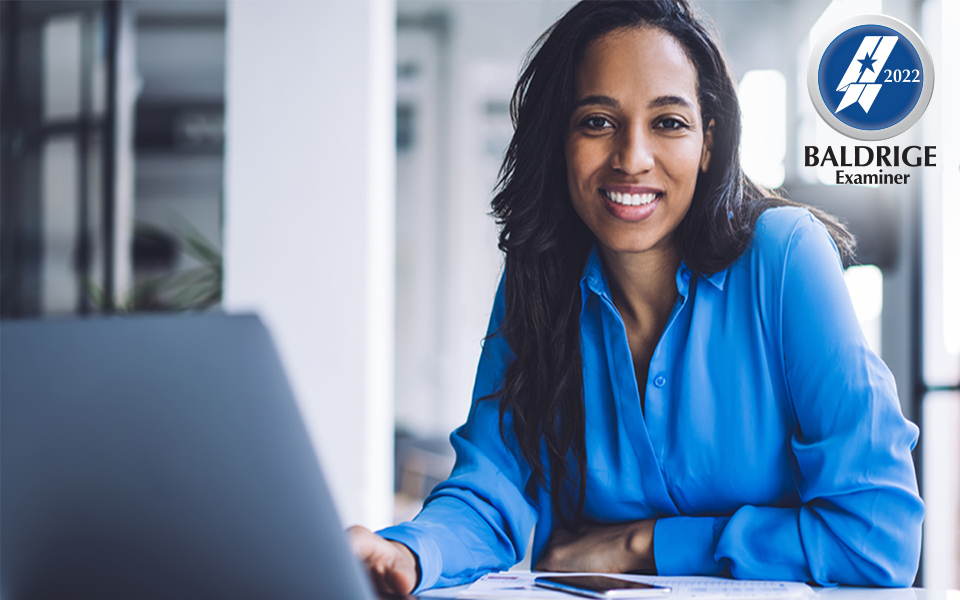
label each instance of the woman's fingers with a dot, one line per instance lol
(401, 581)
(392, 566)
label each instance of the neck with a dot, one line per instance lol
(643, 284)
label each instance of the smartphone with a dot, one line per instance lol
(599, 586)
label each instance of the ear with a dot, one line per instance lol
(707, 147)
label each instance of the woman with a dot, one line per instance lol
(674, 380)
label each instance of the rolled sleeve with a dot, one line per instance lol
(420, 541)
(685, 545)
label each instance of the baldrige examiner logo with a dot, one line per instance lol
(870, 78)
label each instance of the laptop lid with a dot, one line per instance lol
(160, 457)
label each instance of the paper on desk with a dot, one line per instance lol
(519, 584)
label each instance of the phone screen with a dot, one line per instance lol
(596, 585)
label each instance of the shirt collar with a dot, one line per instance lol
(594, 279)
(718, 279)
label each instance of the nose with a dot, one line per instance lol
(632, 153)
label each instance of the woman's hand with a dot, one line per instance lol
(619, 548)
(393, 567)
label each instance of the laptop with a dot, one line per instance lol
(160, 457)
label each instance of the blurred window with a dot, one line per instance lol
(865, 283)
(940, 332)
(941, 206)
(763, 146)
(112, 120)
(941, 490)
(55, 157)
(179, 52)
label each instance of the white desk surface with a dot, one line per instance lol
(838, 593)
(853, 593)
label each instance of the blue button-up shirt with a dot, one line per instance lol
(771, 444)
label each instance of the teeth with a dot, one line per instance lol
(630, 199)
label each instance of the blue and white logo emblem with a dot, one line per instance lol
(870, 77)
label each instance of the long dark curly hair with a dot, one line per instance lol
(546, 244)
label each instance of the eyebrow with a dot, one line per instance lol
(657, 102)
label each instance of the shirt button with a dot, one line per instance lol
(660, 381)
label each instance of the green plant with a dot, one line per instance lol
(196, 288)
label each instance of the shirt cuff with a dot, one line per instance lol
(427, 551)
(687, 545)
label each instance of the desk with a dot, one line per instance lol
(838, 593)
(854, 593)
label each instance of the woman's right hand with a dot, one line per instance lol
(393, 567)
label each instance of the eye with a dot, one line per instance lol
(671, 123)
(596, 123)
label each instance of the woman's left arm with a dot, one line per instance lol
(860, 518)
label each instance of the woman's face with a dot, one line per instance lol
(635, 142)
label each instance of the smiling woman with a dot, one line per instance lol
(674, 379)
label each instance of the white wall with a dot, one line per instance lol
(308, 230)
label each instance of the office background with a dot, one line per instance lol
(329, 165)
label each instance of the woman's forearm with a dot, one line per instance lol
(617, 548)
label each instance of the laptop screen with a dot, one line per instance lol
(160, 457)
